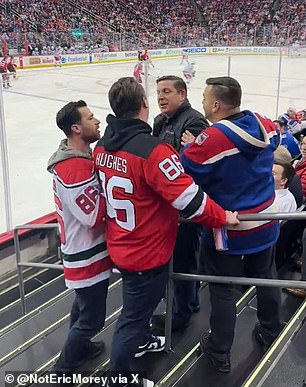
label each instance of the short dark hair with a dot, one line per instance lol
(288, 172)
(280, 123)
(227, 89)
(125, 97)
(179, 83)
(69, 115)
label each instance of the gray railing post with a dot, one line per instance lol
(169, 306)
(20, 264)
(19, 271)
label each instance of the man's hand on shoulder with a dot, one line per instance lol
(187, 138)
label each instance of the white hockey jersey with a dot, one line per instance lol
(80, 210)
(189, 68)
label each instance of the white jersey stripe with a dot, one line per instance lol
(221, 155)
(249, 225)
(185, 198)
(88, 282)
(247, 137)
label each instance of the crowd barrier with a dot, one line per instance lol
(230, 280)
(172, 275)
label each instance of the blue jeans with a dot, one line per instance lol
(86, 320)
(142, 291)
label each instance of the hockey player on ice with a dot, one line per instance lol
(145, 57)
(189, 72)
(4, 73)
(184, 57)
(57, 59)
(296, 49)
(138, 72)
(11, 66)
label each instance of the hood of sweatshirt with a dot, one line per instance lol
(119, 131)
(250, 133)
(63, 153)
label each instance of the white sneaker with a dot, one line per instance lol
(148, 383)
(155, 344)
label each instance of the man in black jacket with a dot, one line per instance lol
(176, 117)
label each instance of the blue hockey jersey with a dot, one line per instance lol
(232, 161)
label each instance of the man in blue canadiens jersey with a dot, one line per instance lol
(232, 160)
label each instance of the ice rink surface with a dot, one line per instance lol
(31, 105)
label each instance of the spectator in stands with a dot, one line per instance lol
(176, 117)
(282, 155)
(145, 187)
(300, 166)
(234, 163)
(80, 210)
(292, 113)
(287, 140)
(291, 125)
(288, 232)
(283, 174)
(232, 23)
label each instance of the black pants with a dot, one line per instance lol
(304, 256)
(142, 291)
(185, 260)
(86, 320)
(222, 296)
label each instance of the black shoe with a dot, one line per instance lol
(220, 361)
(159, 321)
(93, 349)
(195, 308)
(262, 338)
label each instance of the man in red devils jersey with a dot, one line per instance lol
(80, 210)
(145, 188)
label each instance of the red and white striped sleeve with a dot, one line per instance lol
(165, 174)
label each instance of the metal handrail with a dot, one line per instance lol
(21, 264)
(241, 280)
(273, 216)
(229, 280)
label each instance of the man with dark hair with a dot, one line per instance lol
(177, 116)
(80, 209)
(233, 160)
(226, 89)
(283, 174)
(145, 186)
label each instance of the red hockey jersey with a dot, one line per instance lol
(145, 188)
(137, 70)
